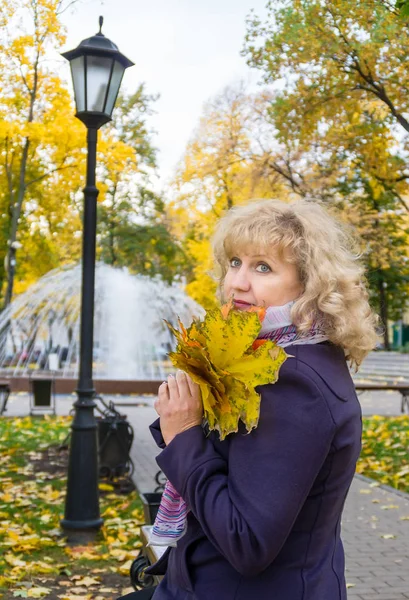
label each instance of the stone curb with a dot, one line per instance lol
(383, 486)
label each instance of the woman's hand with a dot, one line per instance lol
(179, 405)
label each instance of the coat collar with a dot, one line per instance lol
(329, 363)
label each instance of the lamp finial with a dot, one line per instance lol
(101, 22)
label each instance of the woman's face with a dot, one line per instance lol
(261, 280)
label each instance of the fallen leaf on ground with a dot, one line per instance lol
(69, 597)
(97, 570)
(38, 592)
(124, 569)
(106, 487)
(87, 581)
(14, 561)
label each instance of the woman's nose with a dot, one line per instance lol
(241, 280)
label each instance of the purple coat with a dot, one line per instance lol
(265, 508)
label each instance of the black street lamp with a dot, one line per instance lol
(97, 68)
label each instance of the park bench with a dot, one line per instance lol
(402, 387)
(4, 394)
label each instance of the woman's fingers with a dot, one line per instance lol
(173, 388)
(190, 384)
(181, 380)
(163, 391)
(193, 387)
(187, 386)
(163, 396)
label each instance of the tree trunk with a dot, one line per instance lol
(112, 244)
(383, 309)
(112, 227)
(229, 197)
(16, 212)
(18, 204)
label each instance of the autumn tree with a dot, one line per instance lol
(225, 164)
(139, 238)
(132, 227)
(337, 76)
(35, 142)
(403, 7)
(43, 151)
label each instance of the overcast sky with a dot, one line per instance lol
(185, 50)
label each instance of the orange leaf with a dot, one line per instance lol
(226, 308)
(260, 310)
(257, 343)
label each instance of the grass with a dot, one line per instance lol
(33, 551)
(385, 451)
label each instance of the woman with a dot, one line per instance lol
(264, 508)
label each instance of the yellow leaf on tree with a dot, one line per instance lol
(224, 357)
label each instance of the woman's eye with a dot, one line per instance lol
(263, 268)
(235, 262)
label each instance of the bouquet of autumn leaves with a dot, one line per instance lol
(224, 357)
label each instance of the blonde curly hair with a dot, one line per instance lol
(327, 260)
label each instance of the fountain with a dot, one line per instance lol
(40, 329)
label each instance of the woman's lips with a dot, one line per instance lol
(241, 303)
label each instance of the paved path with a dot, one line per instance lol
(375, 522)
(376, 541)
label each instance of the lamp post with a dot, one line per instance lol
(97, 68)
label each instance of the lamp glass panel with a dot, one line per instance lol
(78, 79)
(98, 71)
(115, 84)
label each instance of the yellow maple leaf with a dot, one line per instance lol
(38, 592)
(87, 581)
(224, 357)
(124, 569)
(75, 597)
(14, 561)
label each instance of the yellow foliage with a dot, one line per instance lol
(219, 356)
(220, 169)
(345, 135)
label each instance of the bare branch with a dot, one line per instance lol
(61, 9)
(60, 168)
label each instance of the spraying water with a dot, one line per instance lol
(40, 328)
